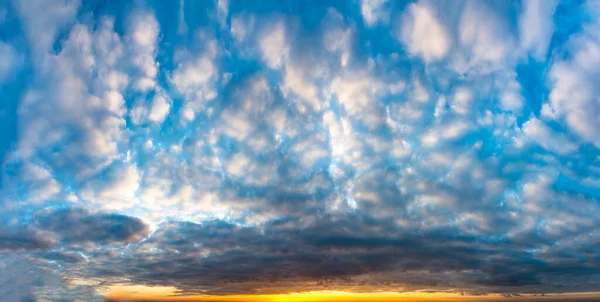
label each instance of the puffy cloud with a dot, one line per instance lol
(117, 190)
(461, 102)
(241, 26)
(536, 27)
(485, 35)
(10, 62)
(573, 97)
(547, 138)
(82, 109)
(295, 81)
(338, 36)
(423, 33)
(358, 93)
(160, 108)
(374, 11)
(448, 131)
(273, 45)
(143, 33)
(195, 77)
(42, 30)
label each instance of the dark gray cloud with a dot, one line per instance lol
(71, 226)
(349, 251)
(25, 239)
(79, 226)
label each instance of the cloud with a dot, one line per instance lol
(25, 279)
(18, 240)
(42, 30)
(195, 77)
(71, 227)
(573, 93)
(274, 149)
(160, 108)
(143, 34)
(241, 25)
(66, 113)
(537, 131)
(273, 45)
(536, 27)
(485, 35)
(78, 226)
(334, 254)
(223, 10)
(423, 34)
(117, 190)
(374, 11)
(10, 62)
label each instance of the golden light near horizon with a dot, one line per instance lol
(136, 293)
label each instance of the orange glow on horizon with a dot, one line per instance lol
(145, 293)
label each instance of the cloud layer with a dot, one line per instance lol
(222, 148)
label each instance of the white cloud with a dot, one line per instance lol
(10, 62)
(311, 149)
(510, 96)
(296, 81)
(89, 125)
(536, 26)
(222, 10)
(44, 191)
(42, 185)
(485, 36)
(148, 145)
(138, 113)
(462, 100)
(447, 131)
(160, 108)
(182, 27)
(423, 34)
(574, 93)
(237, 165)
(195, 77)
(245, 169)
(117, 190)
(241, 26)
(337, 37)
(550, 140)
(273, 44)
(143, 34)
(358, 93)
(191, 76)
(240, 119)
(43, 20)
(440, 106)
(35, 172)
(419, 92)
(373, 11)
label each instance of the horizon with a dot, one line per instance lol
(299, 150)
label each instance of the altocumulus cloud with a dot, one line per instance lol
(229, 147)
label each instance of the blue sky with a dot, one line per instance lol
(405, 145)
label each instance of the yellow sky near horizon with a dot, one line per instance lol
(146, 293)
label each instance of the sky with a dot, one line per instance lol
(299, 149)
